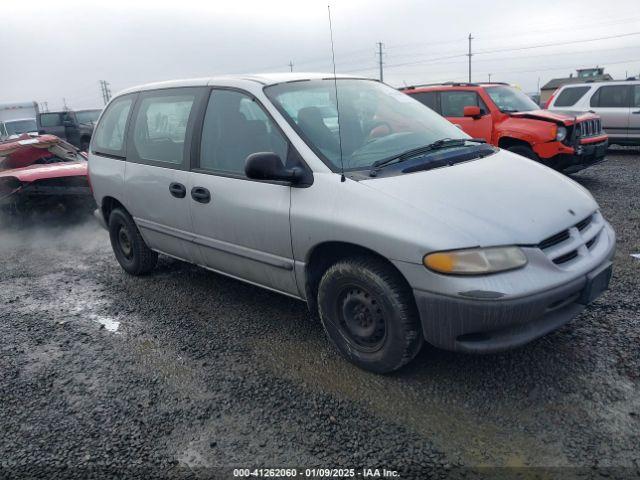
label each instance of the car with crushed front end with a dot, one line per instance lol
(43, 173)
(507, 118)
(391, 223)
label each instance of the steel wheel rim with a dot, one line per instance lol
(124, 242)
(361, 318)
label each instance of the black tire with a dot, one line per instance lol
(132, 253)
(369, 314)
(524, 151)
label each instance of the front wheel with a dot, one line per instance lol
(369, 313)
(130, 250)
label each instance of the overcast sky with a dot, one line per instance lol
(61, 49)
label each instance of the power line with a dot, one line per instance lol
(543, 45)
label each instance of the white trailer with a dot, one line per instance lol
(17, 118)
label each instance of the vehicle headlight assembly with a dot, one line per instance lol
(561, 133)
(475, 261)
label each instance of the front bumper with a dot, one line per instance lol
(585, 155)
(481, 326)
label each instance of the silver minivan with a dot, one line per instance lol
(392, 224)
(617, 104)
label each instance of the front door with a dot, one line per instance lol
(156, 175)
(452, 103)
(612, 104)
(241, 226)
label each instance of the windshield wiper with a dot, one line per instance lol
(414, 152)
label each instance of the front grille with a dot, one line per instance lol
(590, 128)
(569, 246)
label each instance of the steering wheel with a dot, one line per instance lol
(374, 125)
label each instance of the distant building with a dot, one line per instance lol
(583, 75)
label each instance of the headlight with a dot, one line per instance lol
(475, 261)
(561, 134)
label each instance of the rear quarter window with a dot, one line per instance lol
(110, 132)
(430, 99)
(570, 96)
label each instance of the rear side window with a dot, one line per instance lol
(430, 99)
(235, 126)
(110, 132)
(452, 103)
(612, 96)
(51, 119)
(160, 127)
(569, 96)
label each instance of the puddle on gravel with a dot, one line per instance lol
(461, 434)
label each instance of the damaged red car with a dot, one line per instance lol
(43, 172)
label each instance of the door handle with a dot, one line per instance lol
(200, 194)
(177, 190)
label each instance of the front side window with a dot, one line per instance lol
(235, 126)
(569, 96)
(375, 121)
(110, 132)
(88, 116)
(636, 96)
(611, 96)
(51, 119)
(509, 99)
(452, 103)
(160, 127)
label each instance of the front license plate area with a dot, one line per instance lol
(597, 282)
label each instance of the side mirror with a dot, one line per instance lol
(472, 111)
(69, 123)
(269, 166)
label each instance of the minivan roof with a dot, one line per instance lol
(232, 80)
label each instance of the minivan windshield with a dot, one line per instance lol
(509, 99)
(88, 116)
(18, 127)
(376, 122)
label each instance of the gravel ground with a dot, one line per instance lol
(183, 371)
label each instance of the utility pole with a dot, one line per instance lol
(469, 55)
(64, 103)
(45, 107)
(380, 60)
(489, 78)
(291, 65)
(105, 90)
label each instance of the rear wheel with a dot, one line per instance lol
(130, 250)
(369, 314)
(525, 151)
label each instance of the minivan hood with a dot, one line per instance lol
(566, 118)
(503, 199)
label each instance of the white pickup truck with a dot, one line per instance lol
(17, 118)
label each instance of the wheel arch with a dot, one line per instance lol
(507, 141)
(108, 204)
(325, 254)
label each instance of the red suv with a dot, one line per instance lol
(507, 118)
